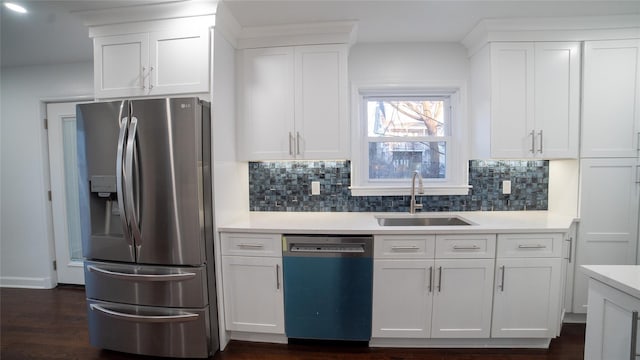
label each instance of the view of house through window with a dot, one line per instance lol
(407, 134)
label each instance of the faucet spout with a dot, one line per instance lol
(412, 205)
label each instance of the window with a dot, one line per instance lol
(400, 132)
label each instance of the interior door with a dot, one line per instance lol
(64, 189)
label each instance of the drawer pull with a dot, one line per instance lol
(460, 247)
(532, 246)
(501, 285)
(145, 319)
(251, 246)
(634, 334)
(404, 248)
(142, 277)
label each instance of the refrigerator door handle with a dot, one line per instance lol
(142, 277)
(124, 124)
(145, 318)
(128, 182)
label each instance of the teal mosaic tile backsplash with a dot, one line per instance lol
(286, 186)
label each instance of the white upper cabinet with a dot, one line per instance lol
(611, 96)
(294, 103)
(151, 63)
(535, 100)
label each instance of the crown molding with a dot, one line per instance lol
(552, 29)
(147, 12)
(336, 32)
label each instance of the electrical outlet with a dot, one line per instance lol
(506, 187)
(315, 188)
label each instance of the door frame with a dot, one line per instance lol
(44, 134)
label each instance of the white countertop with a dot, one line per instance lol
(366, 223)
(625, 278)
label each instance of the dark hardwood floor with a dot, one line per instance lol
(52, 324)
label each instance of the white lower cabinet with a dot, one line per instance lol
(402, 298)
(462, 298)
(425, 297)
(252, 284)
(610, 325)
(527, 296)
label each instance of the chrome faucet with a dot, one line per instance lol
(413, 206)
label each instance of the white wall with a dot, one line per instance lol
(408, 62)
(26, 245)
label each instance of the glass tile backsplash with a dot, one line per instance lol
(286, 186)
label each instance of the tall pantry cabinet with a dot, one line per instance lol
(609, 162)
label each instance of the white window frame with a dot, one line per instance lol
(456, 177)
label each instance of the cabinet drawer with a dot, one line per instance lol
(466, 246)
(245, 244)
(529, 245)
(404, 246)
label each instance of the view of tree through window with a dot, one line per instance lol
(405, 135)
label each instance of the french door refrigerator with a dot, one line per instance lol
(147, 226)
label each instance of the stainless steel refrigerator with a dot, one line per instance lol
(147, 226)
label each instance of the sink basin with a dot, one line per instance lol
(423, 221)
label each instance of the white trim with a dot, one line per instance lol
(456, 181)
(552, 29)
(541, 343)
(27, 282)
(337, 32)
(403, 190)
(146, 12)
(181, 25)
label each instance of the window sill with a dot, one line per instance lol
(403, 190)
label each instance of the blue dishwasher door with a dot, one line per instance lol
(328, 298)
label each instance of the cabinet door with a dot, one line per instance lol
(120, 65)
(402, 298)
(322, 128)
(611, 99)
(267, 114)
(512, 96)
(557, 99)
(253, 294)
(462, 298)
(179, 62)
(609, 329)
(526, 298)
(608, 231)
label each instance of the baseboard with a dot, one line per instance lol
(573, 318)
(27, 282)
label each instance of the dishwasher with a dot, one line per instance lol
(328, 283)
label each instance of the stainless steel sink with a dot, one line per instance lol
(423, 221)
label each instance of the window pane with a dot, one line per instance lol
(405, 118)
(398, 160)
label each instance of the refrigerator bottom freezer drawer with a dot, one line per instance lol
(150, 285)
(145, 330)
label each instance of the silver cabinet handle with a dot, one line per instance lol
(533, 141)
(143, 76)
(501, 286)
(141, 277)
(430, 278)
(291, 140)
(540, 147)
(440, 279)
(277, 277)
(460, 247)
(404, 248)
(251, 246)
(298, 140)
(531, 246)
(570, 240)
(634, 335)
(638, 143)
(637, 174)
(150, 83)
(146, 319)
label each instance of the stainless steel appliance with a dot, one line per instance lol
(328, 283)
(147, 226)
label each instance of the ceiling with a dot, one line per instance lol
(53, 31)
